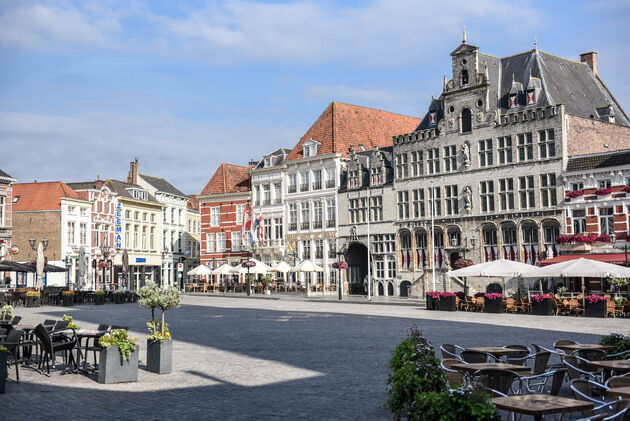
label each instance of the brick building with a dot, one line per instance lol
(6, 214)
(223, 203)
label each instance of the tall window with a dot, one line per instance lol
(266, 194)
(416, 163)
(304, 181)
(525, 147)
(83, 234)
(402, 170)
(317, 214)
(236, 241)
(506, 194)
(451, 198)
(485, 153)
(353, 179)
(215, 216)
(403, 204)
(2, 200)
(277, 192)
(376, 208)
(579, 221)
(433, 160)
(135, 236)
(71, 239)
(487, 196)
(353, 208)
(317, 179)
(391, 268)
(380, 269)
(267, 229)
(306, 215)
(319, 249)
(332, 248)
(240, 210)
(127, 230)
(211, 242)
(548, 190)
(418, 203)
(466, 119)
(450, 158)
(330, 178)
(526, 192)
(292, 183)
(277, 228)
(604, 184)
(144, 238)
(221, 241)
(330, 213)
(292, 217)
(152, 239)
(606, 221)
(436, 198)
(505, 150)
(546, 144)
(306, 250)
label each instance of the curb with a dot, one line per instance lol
(311, 299)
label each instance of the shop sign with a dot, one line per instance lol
(118, 226)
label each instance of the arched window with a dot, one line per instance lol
(466, 121)
(464, 77)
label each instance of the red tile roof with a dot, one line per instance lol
(342, 125)
(193, 202)
(41, 196)
(228, 178)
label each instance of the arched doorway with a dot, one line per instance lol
(390, 288)
(494, 287)
(381, 290)
(357, 259)
(405, 286)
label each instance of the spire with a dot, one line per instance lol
(464, 36)
(535, 44)
(444, 87)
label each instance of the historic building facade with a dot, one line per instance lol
(6, 214)
(193, 233)
(482, 173)
(226, 216)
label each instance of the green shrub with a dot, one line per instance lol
(99, 292)
(163, 298)
(620, 342)
(464, 404)
(415, 370)
(71, 324)
(121, 339)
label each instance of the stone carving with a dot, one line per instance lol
(480, 117)
(468, 198)
(466, 154)
(491, 116)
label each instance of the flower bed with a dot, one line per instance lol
(463, 263)
(433, 300)
(626, 189)
(67, 298)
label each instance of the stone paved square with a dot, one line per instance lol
(253, 359)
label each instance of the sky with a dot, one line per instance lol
(87, 86)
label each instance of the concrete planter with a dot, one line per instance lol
(160, 356)
(34, 301)
(99, 299)
(119, 298)
(432, 303)
(448, 303)
(113, 369)
(3, 370)
(597, 309)
(542, 308)
(67, 300)
(492, 306)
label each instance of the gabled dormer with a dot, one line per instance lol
(355, 170)
(378, 174)
(515, 92)
(533, 90)
(138, 193)
(310, 148)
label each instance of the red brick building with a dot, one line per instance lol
(222, 203)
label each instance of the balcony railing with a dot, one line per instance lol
(319, 255)
(317, 224)
(330, 184)
(332, 254)
(304, 187)
(317, 186)
(330, 223)
(267, 202)
(293, 226)
(292, 189)
(305, 225)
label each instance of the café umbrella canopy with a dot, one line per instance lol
(39, 265)
(282, 267)
(201, 270)
(501, 268)
(307, 266)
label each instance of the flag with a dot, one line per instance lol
(254, 228)
(261, 233)
(247, 225)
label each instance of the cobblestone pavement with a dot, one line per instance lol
(253, 359)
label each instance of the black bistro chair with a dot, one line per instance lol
(50, 347)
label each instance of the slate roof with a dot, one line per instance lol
(277, 158)
(561, 81)
(595, 161)
(41, 195)
(120, 187)
(3, 174)
(342, 125)
(162, 185)
(228, 178)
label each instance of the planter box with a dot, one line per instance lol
(68, 300)
(159, 356)
(33, 301)
(119, 298)
(3, 370)
(543, 308)
(99, 299)
(113, 369)
(492, 306)
(581, 247)
(432, 303)
(448, 303)
(595, 310)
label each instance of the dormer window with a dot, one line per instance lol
(310, 148)
(139, 194)
(376, 176)
(531, 97)
(267, 162)
(432, 117)
(512, 103)
(353, 179)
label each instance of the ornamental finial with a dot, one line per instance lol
(464, 36)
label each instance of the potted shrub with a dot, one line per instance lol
(33, 299)
(620, 342)
(448, 301)
(99, 297)
(466, 403)
(118, 362)
(492, 302)
(119, 297)
(67, 298)
(3, 367)
(433, 300)
(595, 306)
(5, 313)
(71, 324)
(542, 304)
(159, 344)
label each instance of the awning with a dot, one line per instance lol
(615, 258)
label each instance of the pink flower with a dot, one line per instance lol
(603, 192)
(540, 297)
(594, 299)
(575, 193)
(493, 296)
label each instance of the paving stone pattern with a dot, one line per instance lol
(256, 359)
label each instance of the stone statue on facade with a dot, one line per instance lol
(466, 154)
(468, 198)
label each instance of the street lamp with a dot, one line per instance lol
(104, 252)
(613, 241)
(340, 265)
(32, 242)
(248, 264)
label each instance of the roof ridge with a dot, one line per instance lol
(224, 181)
(372, 108)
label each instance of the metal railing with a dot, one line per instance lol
(330, 184)
(305, 225)
(317, 186)
(293, 226)
(330, 223)
(304, 187)
(317, 224)
(292, 189)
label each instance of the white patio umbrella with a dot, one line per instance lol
(39, 266)
(585, 268)
(501, 268)
(282, 267)
(201, 270)
(307, 267)
(224, 269)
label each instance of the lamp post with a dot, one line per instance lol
(248, 264)
(613, 241)
(340, 265)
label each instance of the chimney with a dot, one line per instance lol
(252, 164)
(134, 169)
(590, 59)
(98, 183)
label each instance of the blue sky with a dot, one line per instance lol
(86, 86)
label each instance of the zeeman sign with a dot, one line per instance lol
(118, 226)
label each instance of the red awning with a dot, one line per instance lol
(615, 258)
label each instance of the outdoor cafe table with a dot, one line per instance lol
(569, 348)
(472, 368)
(539, 405)
(622, 392)
(497, 351)
(618, 366)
